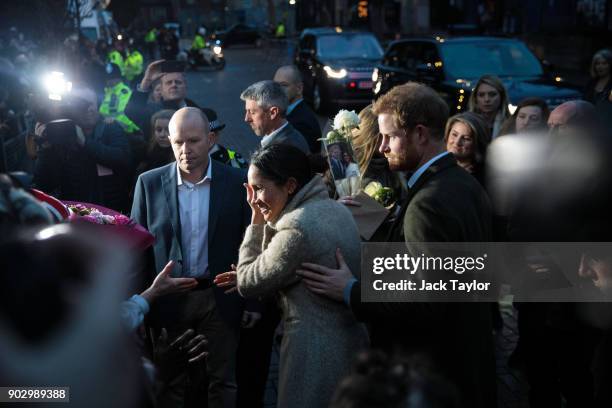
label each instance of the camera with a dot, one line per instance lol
(57, 108)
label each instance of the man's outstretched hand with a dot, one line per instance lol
(164, 284)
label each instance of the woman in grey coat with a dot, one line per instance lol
(294, 221)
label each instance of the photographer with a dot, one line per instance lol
(86, 160)
(173, 93)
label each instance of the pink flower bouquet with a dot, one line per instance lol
(112, 221)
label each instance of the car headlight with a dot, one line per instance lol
(217, 50)
(375, 75)
(511, 108)
(333, 73)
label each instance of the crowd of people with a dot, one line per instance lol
(246, 251)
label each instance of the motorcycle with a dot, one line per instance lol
(210, 56)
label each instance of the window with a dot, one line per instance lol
(403, 56)
(307, 43)
(349, 46)
(504, 58)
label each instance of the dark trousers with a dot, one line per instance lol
(199, 312)
(254, 354)
(557, 359)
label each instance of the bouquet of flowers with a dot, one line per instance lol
(94, 215)
(344, 123)
(384, 195)
(112, 222)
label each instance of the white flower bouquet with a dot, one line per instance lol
(344, 123)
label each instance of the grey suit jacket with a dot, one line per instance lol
(289, 136)
(155, 207)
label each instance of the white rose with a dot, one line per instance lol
(346, 120)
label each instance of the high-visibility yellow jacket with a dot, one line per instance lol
(198, 42)
(151, 36)
(113, 105)
(280, 30)
(116, 58)
(133, 65)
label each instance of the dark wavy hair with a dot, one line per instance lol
(280, 162)
(509, 125)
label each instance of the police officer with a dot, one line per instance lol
(116, 97)
(133, 63)
(151, 43)
(199, 48)
(218, 152)
(115, 56)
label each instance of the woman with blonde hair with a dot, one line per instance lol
(373, 165)
(490, 100)
(467, 137)
(599, 87)
(159, 152)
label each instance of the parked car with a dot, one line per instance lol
(337, 66)
(453, 66)
(239, 34)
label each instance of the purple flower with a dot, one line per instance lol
(91, 218)
(122, 220)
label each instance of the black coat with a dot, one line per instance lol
(96, 173)
(305, 121)
(446, 204)
(140, 110)
(288, 135)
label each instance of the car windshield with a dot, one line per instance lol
(472, 60)
(349, 46)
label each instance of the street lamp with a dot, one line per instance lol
(292, 2)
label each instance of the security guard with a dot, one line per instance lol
(218, 152)
(116, 97)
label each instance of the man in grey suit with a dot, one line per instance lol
(266, 106)
(196, 209)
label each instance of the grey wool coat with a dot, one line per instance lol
(321, 336)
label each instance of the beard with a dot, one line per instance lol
(399, 162)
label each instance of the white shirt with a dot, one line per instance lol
(194, 206)
(264, 140)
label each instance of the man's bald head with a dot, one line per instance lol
(579, 114)
(190, 117)
(190, 142)
(289, 77)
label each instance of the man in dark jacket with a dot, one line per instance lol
(266, 105)
(173, 94)
(94, 167)
(299, 113)
(444, 204)
(196, 208)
